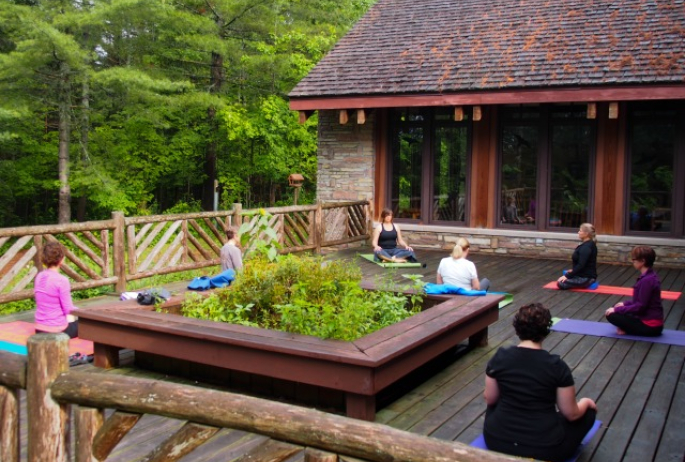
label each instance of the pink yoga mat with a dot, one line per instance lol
(614, 290)
(604, 329)
(18, 332)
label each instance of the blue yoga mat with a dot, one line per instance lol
(480, 441)
(604, 329)
(13, 348)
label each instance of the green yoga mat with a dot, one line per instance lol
(369, 256)
(508, 298)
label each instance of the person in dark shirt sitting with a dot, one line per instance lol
(643, 314)
(584, 271)
(524, 385)
(388, 244)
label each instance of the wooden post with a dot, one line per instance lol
(369, 221)
(47, 420)
(315, 455)
(38, 243)
(9, 425)
(184, 241)
(119, 251)
(591, 110)
(87, 422)
(131, 249)
(104, 239)
(237, 216)
(318, 227)
(613, 110)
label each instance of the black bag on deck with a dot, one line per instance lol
(153, 296)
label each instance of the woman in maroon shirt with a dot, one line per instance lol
(643, 314)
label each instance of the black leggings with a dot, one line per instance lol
(575, 283)
(633, 326)
(71, 330)
(574, 433)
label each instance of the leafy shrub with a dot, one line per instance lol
(305, 295)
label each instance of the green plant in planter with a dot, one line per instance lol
(303, 294)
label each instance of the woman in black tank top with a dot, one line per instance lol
(387, 242)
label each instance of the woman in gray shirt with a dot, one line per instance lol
(231, 255)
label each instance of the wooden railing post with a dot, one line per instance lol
(119, 251)
(9, 425)
(47, 420)
(318, 227)
(237, 216)
(369, 220)
(87, 422)
(37, 258)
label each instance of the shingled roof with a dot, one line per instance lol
(405, 47)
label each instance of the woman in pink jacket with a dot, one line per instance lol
(53, 295)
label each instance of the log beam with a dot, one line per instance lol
(307, 427)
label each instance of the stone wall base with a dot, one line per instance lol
(551, 246)
(554, 246)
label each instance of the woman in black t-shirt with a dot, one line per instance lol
(584, 271)
(524, 385)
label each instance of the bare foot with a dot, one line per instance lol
(620, 331)
(401, 260)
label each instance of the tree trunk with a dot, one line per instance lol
(216, 82)
(85, 125)
(64, 210)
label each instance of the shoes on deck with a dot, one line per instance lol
(78, 358)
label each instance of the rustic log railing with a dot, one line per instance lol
(51, 389)
(123, 249)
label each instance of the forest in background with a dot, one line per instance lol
(141, 105)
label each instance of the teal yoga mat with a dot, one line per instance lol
(369, 257)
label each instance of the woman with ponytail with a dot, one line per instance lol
(457, 271)
(584, 271)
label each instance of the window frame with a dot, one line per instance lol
(678, 191)
(545, 123)
(429, 124)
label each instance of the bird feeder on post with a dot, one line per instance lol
(295, 180)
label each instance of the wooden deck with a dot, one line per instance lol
(639, 387)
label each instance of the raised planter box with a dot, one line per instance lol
(357, 370)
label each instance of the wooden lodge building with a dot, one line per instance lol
(510, 122)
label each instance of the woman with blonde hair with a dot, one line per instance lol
(457, 271)
(584, 271)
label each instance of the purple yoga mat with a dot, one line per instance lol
(604, 329)
(480, 441)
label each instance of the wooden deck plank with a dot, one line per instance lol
(671, 444)
(618, 418)
(645, 439)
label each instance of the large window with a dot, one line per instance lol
(656, 169)
(428, 167)
(546, 154)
